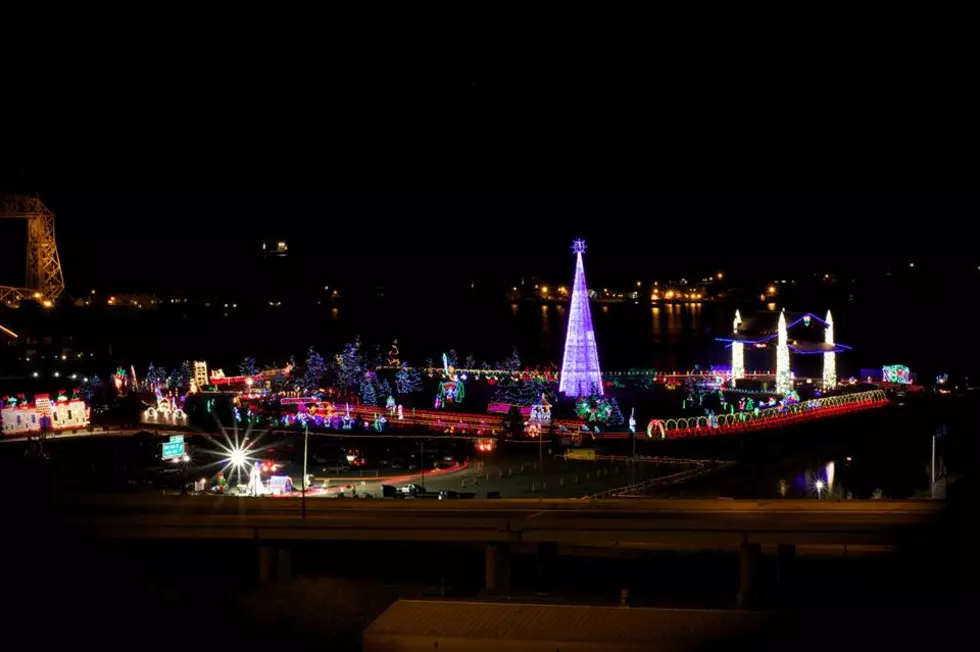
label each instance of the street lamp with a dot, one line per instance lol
(306, 440)
(819, 485)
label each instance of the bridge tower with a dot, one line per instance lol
(784, 382)
(829, 358)
(580, 373)
(738, 351)
(45, 281)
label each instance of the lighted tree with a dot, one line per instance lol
(154, 376)
(185, 374)
(470, 362)
(349, 365)
(407, 380)
(580, 362)
(384, 389)
(512, 362)
(523, 392)
(92, 390)
(369, 395)
(615, 414)
(451, 358)
(315, 370)
(247, 367)
(281, 381)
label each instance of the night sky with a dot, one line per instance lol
(162, 240)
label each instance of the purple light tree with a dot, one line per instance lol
(580, 374)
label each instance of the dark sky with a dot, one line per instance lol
(119, 239)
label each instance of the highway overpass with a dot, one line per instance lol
(275, 524)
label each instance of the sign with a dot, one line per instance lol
(176, 439)
(581, 454)
(173, 449)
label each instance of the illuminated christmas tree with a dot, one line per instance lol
(830, 358)
(784, 382)
(738, 351)
(580, 373)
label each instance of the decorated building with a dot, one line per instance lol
(21, 417)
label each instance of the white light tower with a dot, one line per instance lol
(784, 383)
(829, 358)
(738, 351)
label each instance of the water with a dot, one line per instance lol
(672, 337)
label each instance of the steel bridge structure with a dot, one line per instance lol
(45, 281)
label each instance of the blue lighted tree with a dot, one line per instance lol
(316, 368)
(185, 374)
(407, 380)
(384, 389)
(154, 376)
(349, 365)
(247, 367)
(615, 414)
(512, 362)
(369, 395)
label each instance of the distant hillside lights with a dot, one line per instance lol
(279, 249)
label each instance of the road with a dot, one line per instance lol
(560, 479)
(671, 523)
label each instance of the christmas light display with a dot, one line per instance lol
(19, 417)
(896, 373)
(738, 351)
(656, 425)
(166, 412)
(594, 409)
(541, 412)
(774, 416)
(829, 358)
(784, 382)
(451, 390)
(580, 373)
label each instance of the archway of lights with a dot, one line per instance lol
(829, 348)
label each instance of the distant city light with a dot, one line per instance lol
(34, 374)
(57, 374)
(720, 276)
(911, 264)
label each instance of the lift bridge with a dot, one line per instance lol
(45, 282)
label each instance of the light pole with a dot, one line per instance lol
(422, 462)
(819, 485)
(633, 436)
(306, 440)
(541, 454)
